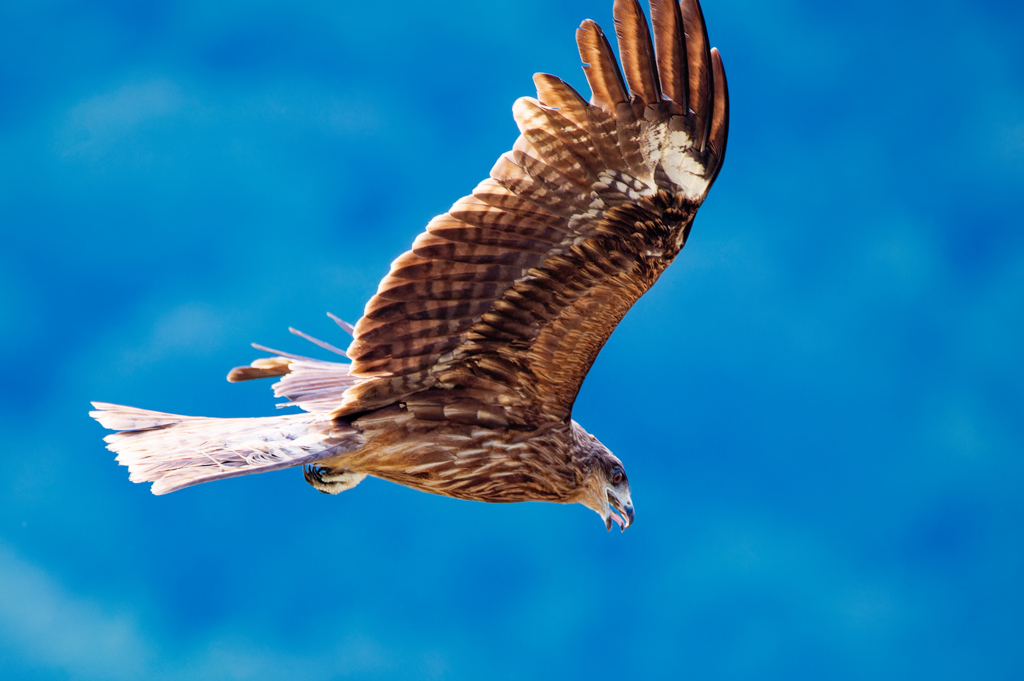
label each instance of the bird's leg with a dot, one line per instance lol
(330, 482)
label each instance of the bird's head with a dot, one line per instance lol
(605, 486)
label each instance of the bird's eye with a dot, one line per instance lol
(617, 477)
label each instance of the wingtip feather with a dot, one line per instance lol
(718, 135)
(600, 66)
(698, 57)
(636, 51)
(670, 49)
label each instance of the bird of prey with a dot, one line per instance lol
(466, 363)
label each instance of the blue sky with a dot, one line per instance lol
(819, 405)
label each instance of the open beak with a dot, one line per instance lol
(619, 512)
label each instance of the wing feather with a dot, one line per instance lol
(719, 132)
(312, 384)
(555, 93)
(670, 47)
(538, 184)
(495, 194)
(702, 89)
(637, 52)
(600, 67)
(511, 294)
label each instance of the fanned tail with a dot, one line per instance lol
(174, 451)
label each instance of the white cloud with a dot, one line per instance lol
(46, 626)
(103, 119)
(193, 329)
(19, 312)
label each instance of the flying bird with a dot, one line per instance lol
(466, 363)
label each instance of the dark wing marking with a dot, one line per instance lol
(670, 47)
(702, 89)
(503, 303)
(637, 52)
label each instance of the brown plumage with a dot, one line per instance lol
(466, 363)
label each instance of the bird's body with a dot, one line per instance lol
(464, 461)
(467, 361)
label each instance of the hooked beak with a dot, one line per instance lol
(620, 512)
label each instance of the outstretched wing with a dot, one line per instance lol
(504, 301)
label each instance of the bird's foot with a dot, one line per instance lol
(330, 482)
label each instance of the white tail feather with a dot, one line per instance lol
(174, 451)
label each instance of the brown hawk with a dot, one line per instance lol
(466, 363)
